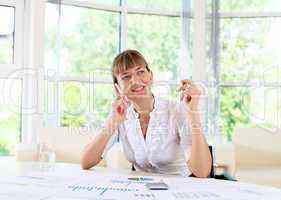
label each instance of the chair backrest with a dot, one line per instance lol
(212, 173)
(257, 146)
(115, 157)
(67, 143)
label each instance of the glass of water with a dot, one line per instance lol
(46, 157)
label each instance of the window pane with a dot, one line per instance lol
(160, 48)
(75, 102)
(10, 115)
(103, 96)
(233, 108)
(173, 5)
(249, 107)
(249, 48)
(89, 39)
(85, 104)
(7, 29)
(250, 5)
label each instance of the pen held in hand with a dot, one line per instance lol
(120, 109)
(118, 89)
(120, 92)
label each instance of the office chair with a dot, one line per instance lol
(224, 176)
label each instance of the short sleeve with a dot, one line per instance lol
(113, 139)
(183, 129)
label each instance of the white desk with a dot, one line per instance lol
(33, 181)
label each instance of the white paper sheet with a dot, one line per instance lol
(89, 185)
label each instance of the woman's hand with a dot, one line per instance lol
(119, 107)
(190, 94)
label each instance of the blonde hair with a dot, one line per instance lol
(126, 60)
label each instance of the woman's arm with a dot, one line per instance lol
(92, 154)
(200, 162)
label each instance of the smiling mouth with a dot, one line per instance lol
(138, 89)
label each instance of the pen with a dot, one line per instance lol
(32, 177)
(121, 92)
(140, 179)
(118, 89)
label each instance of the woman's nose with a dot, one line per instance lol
(135, 79)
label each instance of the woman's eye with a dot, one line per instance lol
(126, 77)
(141, 72)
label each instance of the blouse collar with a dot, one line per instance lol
(132, 114)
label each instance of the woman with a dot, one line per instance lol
(157, 135)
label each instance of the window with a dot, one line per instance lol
(7, 29)
(88, 37)
(10, 86)
(81, 61)
(10, 115)
(247, 53)
(161, 47)
(246, 65)
(242, 58)
(83, 37)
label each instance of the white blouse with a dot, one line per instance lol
(167, 146)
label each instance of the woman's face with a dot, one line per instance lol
(135, 82)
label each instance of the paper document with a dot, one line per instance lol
(89, 185)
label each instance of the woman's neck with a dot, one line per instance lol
(145, 105)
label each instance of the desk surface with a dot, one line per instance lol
(34, 181)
